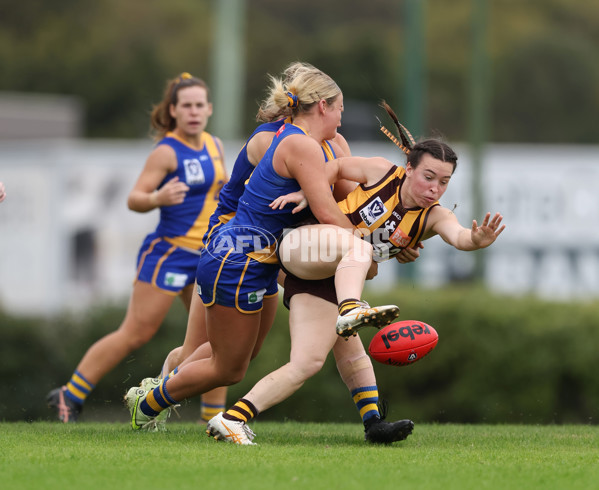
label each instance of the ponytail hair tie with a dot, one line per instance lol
(182, 77)
(292, 100)
(407, 140)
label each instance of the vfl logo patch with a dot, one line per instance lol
(370, 214)
(194, 174)
(256, 296)
(174, 280)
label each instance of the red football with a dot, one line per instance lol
(403, 343)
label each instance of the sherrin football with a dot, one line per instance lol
(403, 343)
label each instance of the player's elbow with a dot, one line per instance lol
(133, 205)
(130, 204)
(327, 216)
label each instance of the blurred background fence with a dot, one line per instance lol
(514, 86)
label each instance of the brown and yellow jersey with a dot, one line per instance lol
(378, 207)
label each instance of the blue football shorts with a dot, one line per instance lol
(235, 280)
(166, 266)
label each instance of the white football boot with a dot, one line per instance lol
(230, 431)
(365, 316)
(148, 384)
(139, 420)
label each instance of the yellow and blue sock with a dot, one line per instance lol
(243, 411)
(209, 410)
(366, 399)
(78, 388)
(158, 399)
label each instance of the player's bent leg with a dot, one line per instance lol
(145, 313)
(213, 403)
(363, 315)
(311, 342)
(267, 318)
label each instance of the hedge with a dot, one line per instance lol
(499, 360)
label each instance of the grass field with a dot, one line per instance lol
(293, 455)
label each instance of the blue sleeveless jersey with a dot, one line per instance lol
(203, 171)
(254, 215)
(238, 268)
(242, 169)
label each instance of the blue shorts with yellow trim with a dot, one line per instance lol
(235, 280)
(166, 266)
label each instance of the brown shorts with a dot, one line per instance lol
(322, 288)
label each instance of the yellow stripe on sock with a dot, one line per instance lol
(76, 391)
(81, 381)
(245, 407)
(208, 413)
(345, 307)
(151, 400)
(365, 394)
(161, 388)
(239, 410)
(368, 408)
(236, 414)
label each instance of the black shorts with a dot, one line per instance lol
(321, 288)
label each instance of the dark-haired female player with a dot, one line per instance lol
(398, 207)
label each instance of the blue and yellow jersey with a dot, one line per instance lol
(378, 207)
(254, 216)
(242, 169)
(327, 149)
(204, 172)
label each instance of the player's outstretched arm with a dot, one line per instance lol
(446, 225)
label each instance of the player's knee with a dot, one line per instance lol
(306, 368)
(174, 357)
(232, 375)
(138, 338)
(363, 250)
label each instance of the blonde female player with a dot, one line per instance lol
(400, 203)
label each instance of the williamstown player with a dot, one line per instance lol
(182, 177)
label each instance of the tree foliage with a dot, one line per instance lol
(116, 57)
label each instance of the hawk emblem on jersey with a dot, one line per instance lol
(371, 213)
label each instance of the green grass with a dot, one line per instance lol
(293, 455)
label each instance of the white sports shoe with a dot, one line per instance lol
(139, 420)
(148, 384)
(365, 316)
(230, 431)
